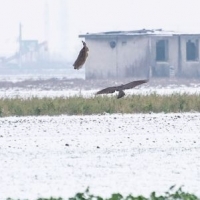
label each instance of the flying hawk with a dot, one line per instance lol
(83, 54)
(121, 88)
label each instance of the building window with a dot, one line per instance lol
(162, 50)
(192, 50)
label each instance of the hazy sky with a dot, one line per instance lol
(76, 17)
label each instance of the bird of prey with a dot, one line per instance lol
(83, 54)
(121, 88)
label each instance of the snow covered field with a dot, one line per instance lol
(57, 85)
(144, 90)
(131, 153)
(59, 156)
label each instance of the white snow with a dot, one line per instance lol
(144, 90)
(131, 153)
(46, 90)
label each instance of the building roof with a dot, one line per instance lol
(153, 32)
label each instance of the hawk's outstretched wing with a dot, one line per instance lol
(120, 88)
(82, 56)
(107, 90)
(132, 84)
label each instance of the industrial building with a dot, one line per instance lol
(51, 49)
(142, 53)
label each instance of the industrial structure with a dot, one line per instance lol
(142, 53)
(53, 50)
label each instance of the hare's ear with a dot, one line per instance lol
(84, 44)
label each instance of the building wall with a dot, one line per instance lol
(101, 60)
(177, 59)
(135, 56)
(162, 68)
(118, 57)
(189, 68)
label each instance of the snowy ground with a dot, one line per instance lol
(59, 156)
(143, 90)
(131, 153)
(66, 85)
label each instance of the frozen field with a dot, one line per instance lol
(57, 85)
(41, 93)
(59, 156)
(138, 153)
